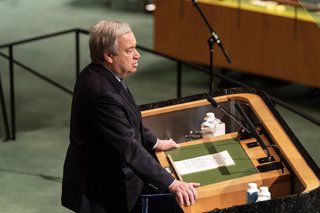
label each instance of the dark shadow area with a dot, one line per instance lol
(45, 177)
(90, 3)
(300, 96)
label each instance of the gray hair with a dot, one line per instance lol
(103, 38)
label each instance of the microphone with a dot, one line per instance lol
(233, 117)
(255, 134)
(268, 166)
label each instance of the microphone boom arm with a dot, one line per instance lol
(233, 117)
(214, 35)
(253, 130)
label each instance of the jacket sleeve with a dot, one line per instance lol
(149, 138)
(111, 119)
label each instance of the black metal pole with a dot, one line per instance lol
(77, 54)
(179, 77)
(17, 63)
(12, 98)
(213, 39)
(211, 46)
(202, 15)
(42, 37)
(4, 112)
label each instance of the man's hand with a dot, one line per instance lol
(186, 193)
(164, 145)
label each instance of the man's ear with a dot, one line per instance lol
(108, 58)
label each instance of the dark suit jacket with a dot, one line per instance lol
(108, 159)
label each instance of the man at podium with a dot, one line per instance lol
(109, 160)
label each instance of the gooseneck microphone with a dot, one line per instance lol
(233, 117)
(265, 167)
(253, 130)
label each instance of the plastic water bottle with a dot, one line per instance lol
(208, 127)
(252, 193)
(264, 194)
(212, 126)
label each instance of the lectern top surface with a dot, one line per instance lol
(242, 167)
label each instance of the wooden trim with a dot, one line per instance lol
(183, 106)
(232, 189)
(279, 136)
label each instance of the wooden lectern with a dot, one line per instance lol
(295, 177)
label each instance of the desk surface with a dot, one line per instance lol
(283, 45)
(268, 7)
(242, 167)
(231, 191)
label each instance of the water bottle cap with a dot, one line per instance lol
(264, 189)
(252, 185)
(209, 116)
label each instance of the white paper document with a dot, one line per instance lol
(203, 163)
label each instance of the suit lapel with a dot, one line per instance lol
(125, 95)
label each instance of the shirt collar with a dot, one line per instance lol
(118, 78)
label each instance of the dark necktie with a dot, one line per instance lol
(124, 84)
(127, 90)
